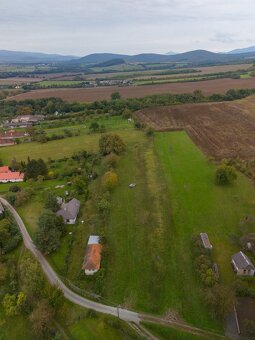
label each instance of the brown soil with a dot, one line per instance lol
(221, 130)
(104, 93)
(19, 80)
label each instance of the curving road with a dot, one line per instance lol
(124, 314)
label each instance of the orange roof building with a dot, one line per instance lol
(4, 169)
(6, 175)
(92, 259)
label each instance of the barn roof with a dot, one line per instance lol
(242, 261)
(92, 257)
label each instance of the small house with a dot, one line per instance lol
(242, 265)
(92, 259)
(69, 211)
(205, 240)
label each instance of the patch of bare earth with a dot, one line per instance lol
(221, 130)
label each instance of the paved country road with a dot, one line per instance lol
(124, 314)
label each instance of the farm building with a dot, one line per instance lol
(69, 211)
(205, 240)
(92, 259)
(8, 138)
(6, 142)
(6, 175)
(24, 121)
(242, 265)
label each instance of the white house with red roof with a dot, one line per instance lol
(8, 176)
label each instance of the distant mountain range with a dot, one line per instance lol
(13, 57)
(243, 50)
(194, 57)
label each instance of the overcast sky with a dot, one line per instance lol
(80, 27)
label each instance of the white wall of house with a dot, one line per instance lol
(243, 272)
(70, 221)
(90, 272)
(11, 180)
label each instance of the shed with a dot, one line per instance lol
(205, 240)
(242, 264)
(92, 259)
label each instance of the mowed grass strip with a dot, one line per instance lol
(197, 205)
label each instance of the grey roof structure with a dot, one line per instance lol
(70, 210)
(205, 240)
(242, 261)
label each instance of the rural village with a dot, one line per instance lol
(127, 180)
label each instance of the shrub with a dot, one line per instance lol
(104, 205)
(111, 143)
(225, 174)
(110, 161)
(109, 180)
(149, 132)
(14, 188)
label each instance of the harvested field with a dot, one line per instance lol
(221, 130)
(150, 73)
(104, 93)
(19, 80)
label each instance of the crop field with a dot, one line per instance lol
(149, 73)
(221, 130)
(104, 93)
(19, 80)
(59, 83)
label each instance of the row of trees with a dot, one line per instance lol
(116, 105)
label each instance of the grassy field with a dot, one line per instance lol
(59, 83)
(175, 198)
(66, 147)
(150, 227)
(163, 332)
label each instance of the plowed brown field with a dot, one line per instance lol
(104, 93)
(221, 130)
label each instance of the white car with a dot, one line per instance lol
(132, 185)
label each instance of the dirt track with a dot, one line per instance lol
(104, 93)
(221, 130)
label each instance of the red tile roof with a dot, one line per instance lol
(11, 176)
(4, 169)
(6, 174)
(92, 257)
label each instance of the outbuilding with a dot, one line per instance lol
(242, 265)
(205, 240)
(92, 259)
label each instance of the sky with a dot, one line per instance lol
(81, 27)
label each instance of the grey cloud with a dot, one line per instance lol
(131, 26)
